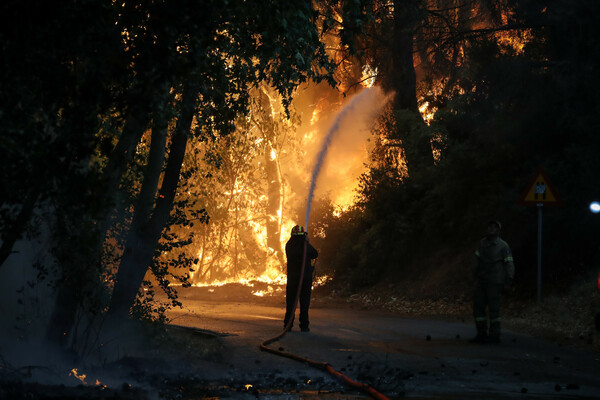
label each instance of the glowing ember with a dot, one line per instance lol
(270, 291)
(81, 377)
(321, 280)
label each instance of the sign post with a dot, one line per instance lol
(539, 254)
(540, 192)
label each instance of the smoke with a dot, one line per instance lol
(354, 120)
(25, 302)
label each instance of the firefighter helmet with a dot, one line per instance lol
(298, 230)
(495, 222)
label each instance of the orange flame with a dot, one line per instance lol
(81, 377)
(515, 39)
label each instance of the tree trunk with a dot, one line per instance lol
(403, 77)
(152, 173)
(273, 205)
(14, 233)
(145, 234)
(66, 303)
(273, 182)
(412, 128)
(137, 122)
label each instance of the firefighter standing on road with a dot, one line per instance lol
(294, 251)
(494, 271)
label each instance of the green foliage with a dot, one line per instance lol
(81, 83)
(146, 308)
(500, 114)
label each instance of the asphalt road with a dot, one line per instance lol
(402, 358)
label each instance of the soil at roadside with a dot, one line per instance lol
(164, 368)
(566, 319)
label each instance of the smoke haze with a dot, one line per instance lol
(350, 131)
(344, 148)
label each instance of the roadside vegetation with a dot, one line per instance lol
(565, 318)
(514, 96)
(141, 148)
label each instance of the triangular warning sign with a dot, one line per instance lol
(540, 191)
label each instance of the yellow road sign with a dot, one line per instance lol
(540, 191)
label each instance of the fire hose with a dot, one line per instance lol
(324, 366)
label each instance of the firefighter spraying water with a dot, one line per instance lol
(298, 251)
(298, 286)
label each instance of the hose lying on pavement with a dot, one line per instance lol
(368, 389)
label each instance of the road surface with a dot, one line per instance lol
(401, 357)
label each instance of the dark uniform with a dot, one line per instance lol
(294, 250)
(494, 270)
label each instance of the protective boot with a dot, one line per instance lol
(494, 336)
(286, 320)
(482, 334)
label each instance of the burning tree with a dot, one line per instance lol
(244, 191)
(493, 79)
(77, 111)
(113, 131)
